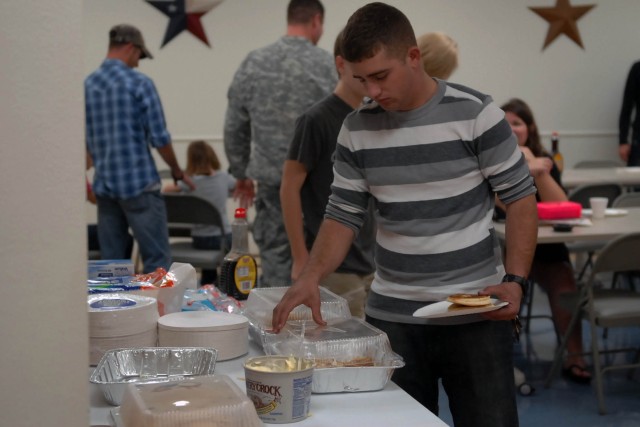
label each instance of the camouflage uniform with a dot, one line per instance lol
(272, 87)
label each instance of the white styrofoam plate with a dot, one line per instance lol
(443, 309)
(607, 212)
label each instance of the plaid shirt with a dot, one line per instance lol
(123, 118)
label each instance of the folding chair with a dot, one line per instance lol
(581, 195)
(183, 211)
(627, 200)
(605, 308)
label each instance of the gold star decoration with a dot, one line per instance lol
(562, 19)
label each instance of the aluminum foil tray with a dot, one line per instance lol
(355, 379)
(123, 366)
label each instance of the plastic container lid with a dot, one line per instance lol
(261, 302)
(202, 321)
(193, 402)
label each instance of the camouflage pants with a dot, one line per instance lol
(271, 237)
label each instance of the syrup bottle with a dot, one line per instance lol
(555, 151)
(239, 270)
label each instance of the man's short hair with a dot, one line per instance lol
(374, 27)
(303, 11)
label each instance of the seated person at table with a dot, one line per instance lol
(213, 185)
(551, 268)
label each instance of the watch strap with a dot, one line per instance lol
(523, 282)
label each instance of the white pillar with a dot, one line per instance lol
(43, 321)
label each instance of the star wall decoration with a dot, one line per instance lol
(184, 15)
(563, 19)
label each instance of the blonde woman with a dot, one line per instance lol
(439, 54)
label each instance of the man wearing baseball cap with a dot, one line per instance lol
(124, 119)
(123, 33)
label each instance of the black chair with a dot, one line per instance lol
(627, 200)
(583, 193)
(184, 211)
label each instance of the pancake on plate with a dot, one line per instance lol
(470, 300)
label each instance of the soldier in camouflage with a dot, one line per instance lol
(272, 87)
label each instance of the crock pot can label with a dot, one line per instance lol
(266, 398)
(270, 405)
(279, 396)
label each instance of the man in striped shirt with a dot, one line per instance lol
(432, 155)
(124, 118)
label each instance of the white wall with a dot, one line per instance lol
(43, 318)
(576, 92)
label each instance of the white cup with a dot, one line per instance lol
(598, 207)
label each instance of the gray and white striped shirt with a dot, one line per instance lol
(432, 172)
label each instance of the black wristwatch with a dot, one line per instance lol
(524, 283)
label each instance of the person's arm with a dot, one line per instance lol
(237, 138)
(88, 161)
(244, 192)
(549, 190)
(541, 168)
(329, 249)
(293, 175)
(237, 124)
(521, 239)
(91, 197)
(171, 188)
(169, 157)
(628, 99)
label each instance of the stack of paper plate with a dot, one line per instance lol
(120, 321)
(228, 333)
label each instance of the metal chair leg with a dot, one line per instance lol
(562, 346)
(597, 368)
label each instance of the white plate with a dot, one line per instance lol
(441, 309)
(607, 212)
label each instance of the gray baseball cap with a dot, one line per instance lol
(125, 33)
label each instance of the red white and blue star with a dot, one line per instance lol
(184, 15)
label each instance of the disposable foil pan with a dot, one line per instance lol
(123, 366)
(356, 378)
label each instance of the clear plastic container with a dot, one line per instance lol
(214, 401)
(346, 343)
(259, 307)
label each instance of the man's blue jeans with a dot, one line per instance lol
(146, 215)
(474, 361)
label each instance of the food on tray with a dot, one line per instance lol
(353, 363)
(470, 300)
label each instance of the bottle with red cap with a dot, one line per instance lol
(239, 270)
